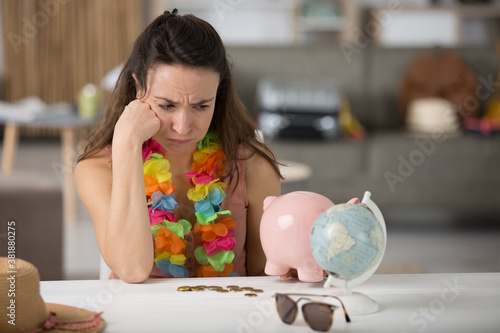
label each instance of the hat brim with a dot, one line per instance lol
(70, 313)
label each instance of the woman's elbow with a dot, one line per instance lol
(133, 277)
(134, 274)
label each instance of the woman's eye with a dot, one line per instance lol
(202, 107)
(166, 106)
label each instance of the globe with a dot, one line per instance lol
(348, 241)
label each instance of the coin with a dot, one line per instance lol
(201, 286)
(232, 287)
(235, 290)
(183, 290)
(257, 291)
(222, 291)
(214, 287)
(247, 288)
(250, 295)
(197, 289)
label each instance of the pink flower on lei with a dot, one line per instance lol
(149, 147)
(226, 243)
(201, 178)
(158, 216)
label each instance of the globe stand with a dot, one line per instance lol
(354, 302)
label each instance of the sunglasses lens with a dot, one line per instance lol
(287, 308)
(318, 316)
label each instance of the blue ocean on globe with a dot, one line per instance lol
(347, 240)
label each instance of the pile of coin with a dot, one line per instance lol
(251, 292)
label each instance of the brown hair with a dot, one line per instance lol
(187, 41)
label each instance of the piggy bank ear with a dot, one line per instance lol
(268, 200)
(353, 201)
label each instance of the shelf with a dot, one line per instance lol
(477, 11)
(309, 24)
(465, 11)
(205, 5)
(277, 15)
(329, 25)
(450, 27)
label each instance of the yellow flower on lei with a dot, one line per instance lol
(158, 168)
(200, 191)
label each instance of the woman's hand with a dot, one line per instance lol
(138, 122)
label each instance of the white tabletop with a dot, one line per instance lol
(409, 303)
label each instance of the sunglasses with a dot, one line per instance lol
(319, 316)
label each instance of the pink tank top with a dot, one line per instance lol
(237, 202)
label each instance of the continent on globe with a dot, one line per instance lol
(341, 241)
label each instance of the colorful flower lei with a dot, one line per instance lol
(215, 251)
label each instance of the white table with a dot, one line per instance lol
(409, 303)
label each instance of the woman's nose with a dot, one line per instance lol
(181, 122)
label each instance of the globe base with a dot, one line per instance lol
(359, 304)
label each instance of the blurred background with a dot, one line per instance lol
(397, 97)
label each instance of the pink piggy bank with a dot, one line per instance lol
(285, 229)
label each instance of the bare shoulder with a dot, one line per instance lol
(260, 173)
(99, 163)
(93, 172)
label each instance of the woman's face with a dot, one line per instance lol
(183, 98)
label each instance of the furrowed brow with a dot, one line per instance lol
(174, 102)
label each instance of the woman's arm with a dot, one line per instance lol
(261, 181)
(114, 195)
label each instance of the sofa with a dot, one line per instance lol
(31, 219)
(414, 179)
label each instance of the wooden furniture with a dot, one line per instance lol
(68, 125)
(54, 48)
(409, 303)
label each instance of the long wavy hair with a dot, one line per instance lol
(187, 41)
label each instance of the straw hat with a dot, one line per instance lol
(427, 115)
(22, 304)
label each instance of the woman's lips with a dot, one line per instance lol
(179, 142)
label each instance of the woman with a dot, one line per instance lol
(174, 135)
